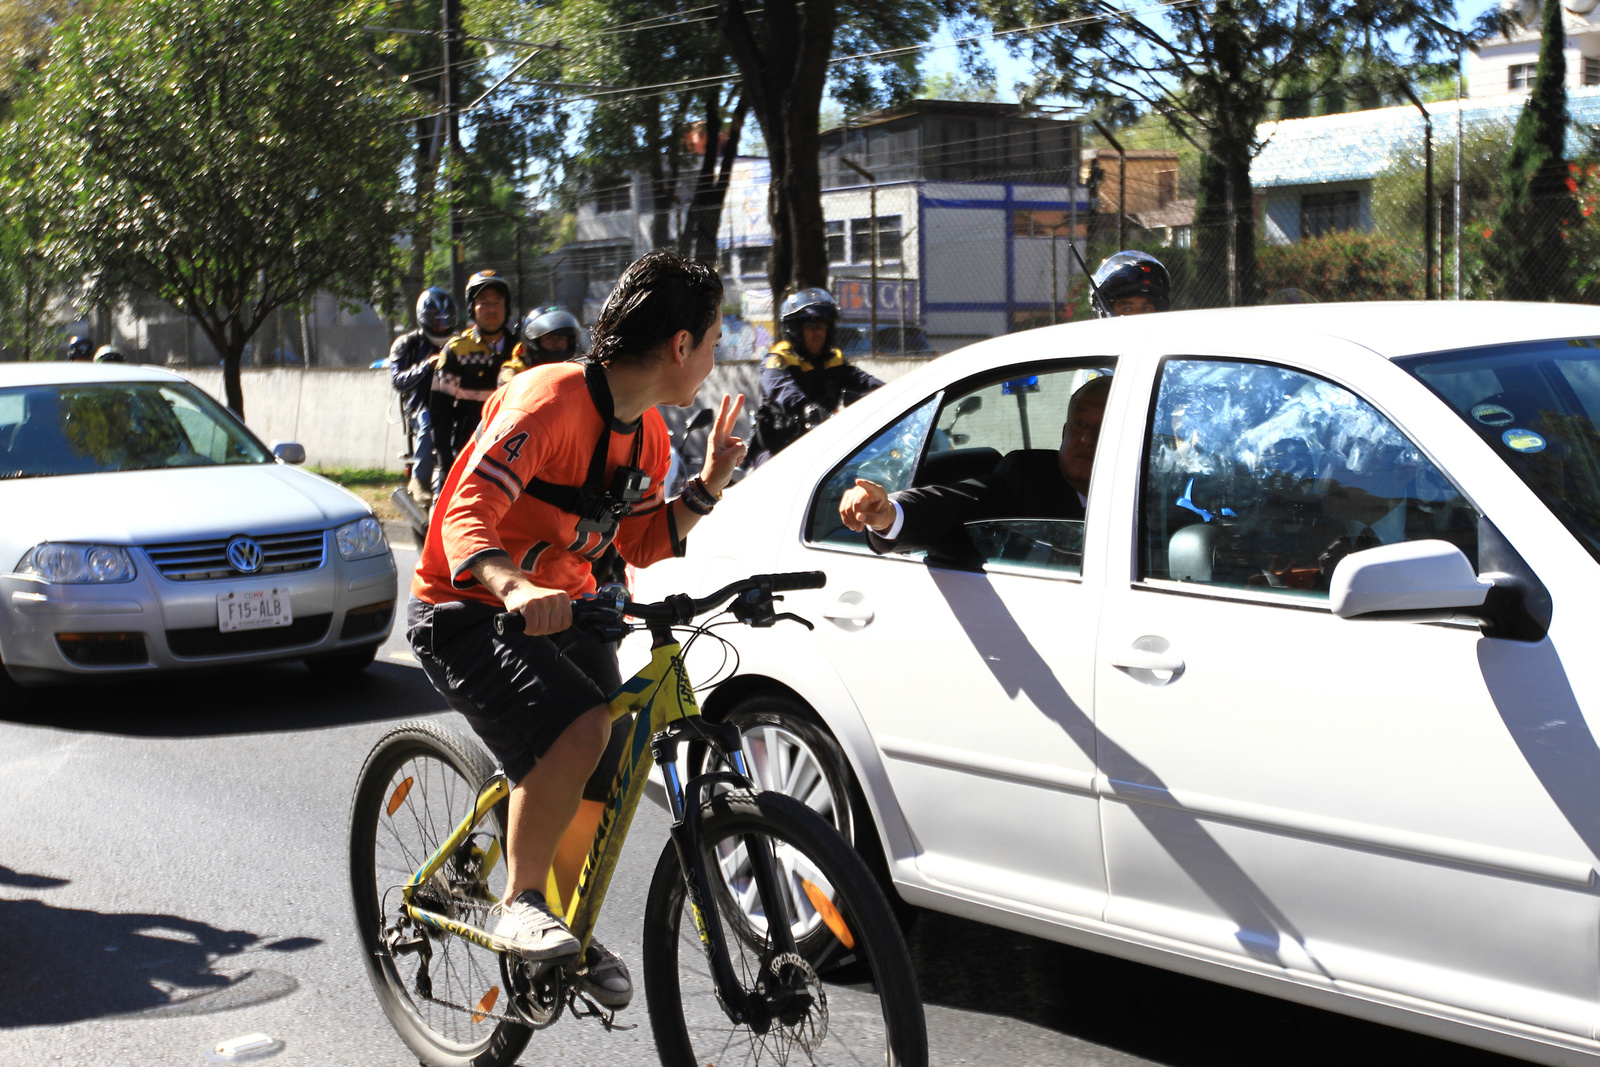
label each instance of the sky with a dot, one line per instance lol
(1009, 70)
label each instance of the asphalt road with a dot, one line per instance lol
(172, 874)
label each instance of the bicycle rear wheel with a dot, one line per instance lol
(868, 1010)
(419, 781)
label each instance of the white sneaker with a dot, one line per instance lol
(606, 979)
(529, 928)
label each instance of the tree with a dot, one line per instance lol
(1214, 72)
(227, 156)
(1529, 256)
(29, 278)
(784, 60)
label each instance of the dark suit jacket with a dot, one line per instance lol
(1025, 484)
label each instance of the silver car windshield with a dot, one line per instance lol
(48, 430)
(1536, 404)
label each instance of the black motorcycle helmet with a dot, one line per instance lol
(79, 348)
(1130, 274)
(487, 279)
(109, 354)
(543, 321)
(436, 311)
(809, 305)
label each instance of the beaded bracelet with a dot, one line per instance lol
(697, 496)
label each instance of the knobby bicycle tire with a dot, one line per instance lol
(445, 772)
(868, 1006)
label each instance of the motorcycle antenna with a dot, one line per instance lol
(1073, 245)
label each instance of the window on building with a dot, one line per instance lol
(613, 194)
(1166, 187)
(725, 262)
(754, 260)
(834, 232)
(1591, 70)
(889, 235)
(1520, 75)
(1322, 213)
(1037, 223)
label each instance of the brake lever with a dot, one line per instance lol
(792, 617)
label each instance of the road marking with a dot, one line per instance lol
(402, 657)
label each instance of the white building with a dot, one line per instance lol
(1502, 65)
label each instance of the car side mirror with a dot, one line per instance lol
(1421, 581)
(289, 451)
(969, 405)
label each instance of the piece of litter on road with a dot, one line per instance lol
(403, 657)
(245, 1048)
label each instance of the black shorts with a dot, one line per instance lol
(518, 693)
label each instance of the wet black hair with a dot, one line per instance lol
(659, 294)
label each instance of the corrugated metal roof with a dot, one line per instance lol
(1359, 145)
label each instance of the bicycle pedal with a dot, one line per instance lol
(591, 1010)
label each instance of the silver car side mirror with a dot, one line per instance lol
(1415, 580)
(289, 451)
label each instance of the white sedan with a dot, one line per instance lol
(145, 528)
(1301, 704)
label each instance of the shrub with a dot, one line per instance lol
(1341, 266)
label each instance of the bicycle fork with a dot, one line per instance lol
(685, 802)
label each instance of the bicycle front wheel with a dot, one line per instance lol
(863, 1008)
(440, 992)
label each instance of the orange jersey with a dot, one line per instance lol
(542, 424)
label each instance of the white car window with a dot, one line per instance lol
(1261, 476)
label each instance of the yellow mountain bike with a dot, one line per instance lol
(766, 938)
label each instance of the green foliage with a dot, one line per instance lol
(1530, 257)
(228, 156)
(1342, 266)
(1398, 193)
(348, 476)
(30, 277)
(953, 85)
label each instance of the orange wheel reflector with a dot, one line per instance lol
(829, 913)
(398, 797)
(486, 1005)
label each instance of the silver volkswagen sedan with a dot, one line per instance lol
(144, 528)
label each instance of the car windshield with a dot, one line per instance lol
(1536, 404)
(50, 430)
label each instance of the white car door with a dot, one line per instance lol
(975, 681)
(1340, 798)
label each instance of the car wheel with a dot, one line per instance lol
(789, 750)
(347, 662)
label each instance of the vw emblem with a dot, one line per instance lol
(245, 555)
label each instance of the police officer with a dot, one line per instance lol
(805, 378)
(1130, 283)
(411, 374)
(549, 335)
(467, 369)
(79, 348)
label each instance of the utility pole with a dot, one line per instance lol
(873, 195)
(1430, 290)
(1122, 185)
(450, 16)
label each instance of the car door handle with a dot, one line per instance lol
(847, 611)
(1139, 659)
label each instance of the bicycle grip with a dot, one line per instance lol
(510, 622)
(798, 580)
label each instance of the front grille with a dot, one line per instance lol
(210, 641)
(194, 561)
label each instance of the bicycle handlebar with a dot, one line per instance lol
(606, 609)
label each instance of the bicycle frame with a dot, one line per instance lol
(663, 701)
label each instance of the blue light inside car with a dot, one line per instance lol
(1020, 385)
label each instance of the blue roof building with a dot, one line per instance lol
(1315, 175)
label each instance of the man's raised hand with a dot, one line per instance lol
(866, 504)
(724, 452)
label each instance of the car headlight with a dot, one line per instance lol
(360, 539)
(69, 564)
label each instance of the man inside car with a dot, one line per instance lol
(1031, 483)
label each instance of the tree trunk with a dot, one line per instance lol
(699, 237)
(784, 83)
(1224, 225)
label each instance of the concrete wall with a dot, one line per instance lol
(351, 418)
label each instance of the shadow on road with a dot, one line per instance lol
(1147, 1012)
(63, 965)
(271, 698)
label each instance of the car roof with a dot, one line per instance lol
(67, 373)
